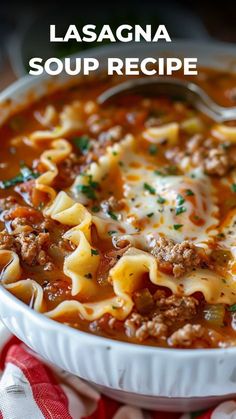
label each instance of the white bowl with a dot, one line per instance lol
(153, 378)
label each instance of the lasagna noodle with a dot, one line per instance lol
(70, 120)
(50, 159)
(127, 275)
(134, 173)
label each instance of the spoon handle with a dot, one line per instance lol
(206, 105)
(176, 88)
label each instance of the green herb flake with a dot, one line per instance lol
(177, 226)
(150, 214)
(161, 200)
(232, 308)
(112, 232)
(25, 175)
(233, 186)
(112, 215)
(153, 149)
(121, 164)
(189, 192)
(149, 188)
(87, 190)
(82, 143)
(159, 173)
(96, 208)
(180, 199)
(180, 210)
(94, 252)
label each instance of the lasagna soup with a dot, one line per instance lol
(120, 220)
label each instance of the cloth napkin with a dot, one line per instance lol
(33, 389)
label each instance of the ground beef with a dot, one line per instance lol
(212, 157)
(165, 323)
(141, 327)
(168, 312)
(175, 308)
(77, 162)
(177, 257)
(107, 261)
(32, 248)
(27, 235)
(187, 335)
(68, 169)
(7, 203)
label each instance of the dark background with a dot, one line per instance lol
(24, 26)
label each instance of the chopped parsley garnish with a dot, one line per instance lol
(96, 208)
(82, 143)
(180, 199)
(88, 275)
(177, 226)
(112, 215)
(159, 173)
(189, 192)
(150, 214)
(232, 308)
(180, 210)
(149, 188)
(115, 308)
(89, 189)
(25, 175)
(92, 183)
(111, 232)
(161, 200)
(153, 149)
(233, 186)
(94, 252)
(121, 163)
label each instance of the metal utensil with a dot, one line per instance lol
(173, 87)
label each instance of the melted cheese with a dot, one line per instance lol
(179, 207)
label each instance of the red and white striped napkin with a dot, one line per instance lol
(32, 389)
